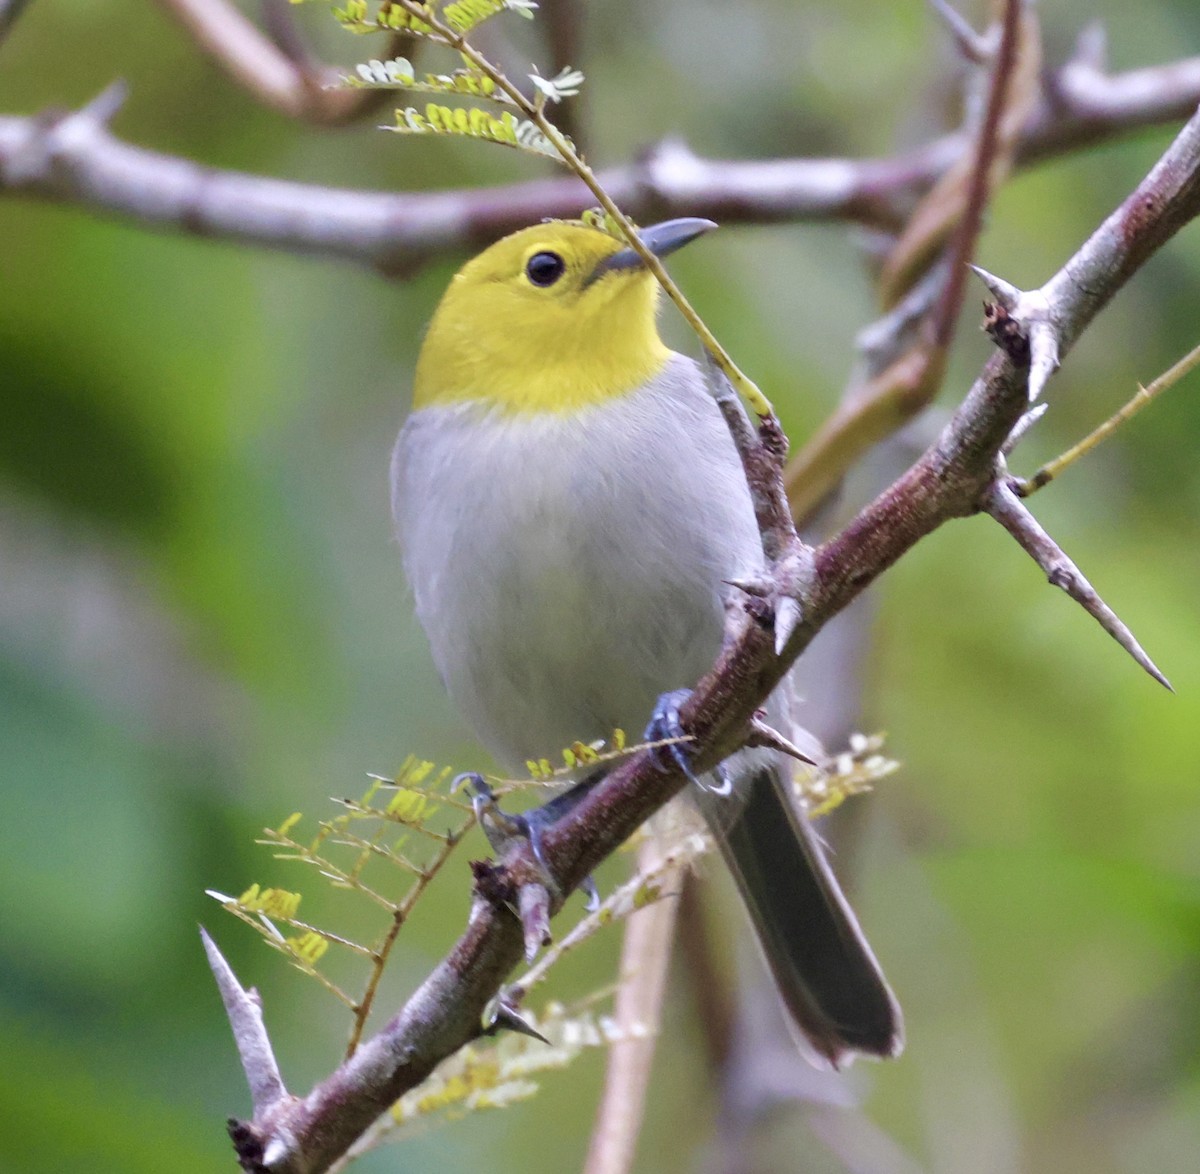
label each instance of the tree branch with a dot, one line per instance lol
(278, 73)
(953, 478)
(395, 233)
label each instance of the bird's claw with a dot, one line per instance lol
(665, 726)
(500, 828)
(498, 825)
(588, 885)
(724, 787)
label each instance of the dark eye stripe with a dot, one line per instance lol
(544, 268)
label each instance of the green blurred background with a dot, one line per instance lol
(203, 625)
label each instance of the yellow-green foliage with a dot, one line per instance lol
(386, 847)
(459, 17)
(448, 24)
(578, 754)
(404, 828)
(464, 15)
(474, 123)
(398, 74)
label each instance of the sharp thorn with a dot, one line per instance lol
(1070, 580)
(1043, 357)
(504, 1016)
(1091, 47)
(787, 619)
(244, 1009)
(1012, 513)
(1005, 293)
(762, 734)
(104, 106)
(1022, 426)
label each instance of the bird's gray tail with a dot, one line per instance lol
(824, 968)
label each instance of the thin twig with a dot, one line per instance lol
(993, 150)
(645, 959)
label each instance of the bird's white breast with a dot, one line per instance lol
(569, 568)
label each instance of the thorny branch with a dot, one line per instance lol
(960, 474)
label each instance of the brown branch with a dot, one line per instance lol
(989, 143)
(953, 478)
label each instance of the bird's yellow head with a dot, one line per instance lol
(550, 319)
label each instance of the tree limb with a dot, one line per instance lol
(395, 233)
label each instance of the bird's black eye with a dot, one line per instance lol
(544, 268)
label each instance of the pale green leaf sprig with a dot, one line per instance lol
(386, 847)
(397, 74)
(389, 17)
(464, 15)
(585, 754)
(461, 16)
(266, 909)
(475, 123)
(855, 770)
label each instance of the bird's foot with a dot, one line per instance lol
(501, 828)
(665, 726)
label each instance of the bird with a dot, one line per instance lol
(571, 512)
